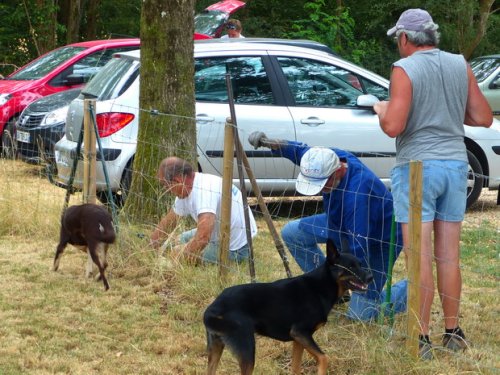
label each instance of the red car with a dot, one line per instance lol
(73, 65)
(61, 69)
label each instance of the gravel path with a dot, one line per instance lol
(485, 209)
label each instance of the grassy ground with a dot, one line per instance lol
(149, 322)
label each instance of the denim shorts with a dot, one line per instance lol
(211, 251)
(444, 190)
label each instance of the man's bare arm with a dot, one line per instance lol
(194, 248)
(393, 114)
(164, 228)
(478, 111)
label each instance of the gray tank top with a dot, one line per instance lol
(434, 129)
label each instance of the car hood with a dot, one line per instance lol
(8, 86)
(52, 102)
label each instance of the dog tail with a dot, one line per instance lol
(106, 232)
(218, 323)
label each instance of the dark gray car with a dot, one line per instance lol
(41, 125)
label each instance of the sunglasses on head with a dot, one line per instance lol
(231, 27)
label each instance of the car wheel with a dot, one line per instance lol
(475, 179)
(9, 144)
(119, 196)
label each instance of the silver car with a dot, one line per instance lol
(295, 90)
(487, 72)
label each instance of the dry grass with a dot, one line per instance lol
(149, 322)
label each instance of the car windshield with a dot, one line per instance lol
(208, 22)
(113, 79)
(44, 65)
(484, 67)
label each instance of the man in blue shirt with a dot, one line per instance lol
(357, 217)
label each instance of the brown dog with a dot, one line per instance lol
(90, 228)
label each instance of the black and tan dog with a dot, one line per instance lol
(90, 228)
(285, 310)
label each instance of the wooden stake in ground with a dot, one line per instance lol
(267, 216)
(227, 182)
(89, 154)
(414, 228)
(239, 161)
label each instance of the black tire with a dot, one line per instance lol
(119, 196)
(9, 143)
(475, 179)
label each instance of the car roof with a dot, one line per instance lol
(105, 42)
(310, 44)
(249, 43)
(495, 56)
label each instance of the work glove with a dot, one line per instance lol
(256, 139)
(259, 139)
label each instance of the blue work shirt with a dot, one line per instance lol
(358, 212)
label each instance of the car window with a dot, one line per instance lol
(373, 88)
(113, 79)
(41, 67)
(484, 67)
(318, 84)
(249, 80)
(88, 66)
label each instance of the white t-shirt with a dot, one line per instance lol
(227, 36)
(206, 196)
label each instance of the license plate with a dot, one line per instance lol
(23, 136)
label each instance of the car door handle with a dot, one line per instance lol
(312, 121)
(204, 118)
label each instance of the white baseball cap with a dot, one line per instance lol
(316, 166)
(413, 20)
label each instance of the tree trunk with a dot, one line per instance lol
(479, 28)
(167, 125)
(45, 27)
(92, 14)
(73, 26)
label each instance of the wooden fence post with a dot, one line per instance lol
(227, 183)
(89, 153)
(414, 232)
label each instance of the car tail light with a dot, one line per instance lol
(110, 122)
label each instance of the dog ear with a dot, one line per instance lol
(331, 252)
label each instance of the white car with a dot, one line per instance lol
(294, 90)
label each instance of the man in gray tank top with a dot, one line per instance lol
(432, 94)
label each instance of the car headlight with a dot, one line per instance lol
(4, 98)
(54, 117)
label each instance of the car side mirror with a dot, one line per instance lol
(367, 101)
(495, 84)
